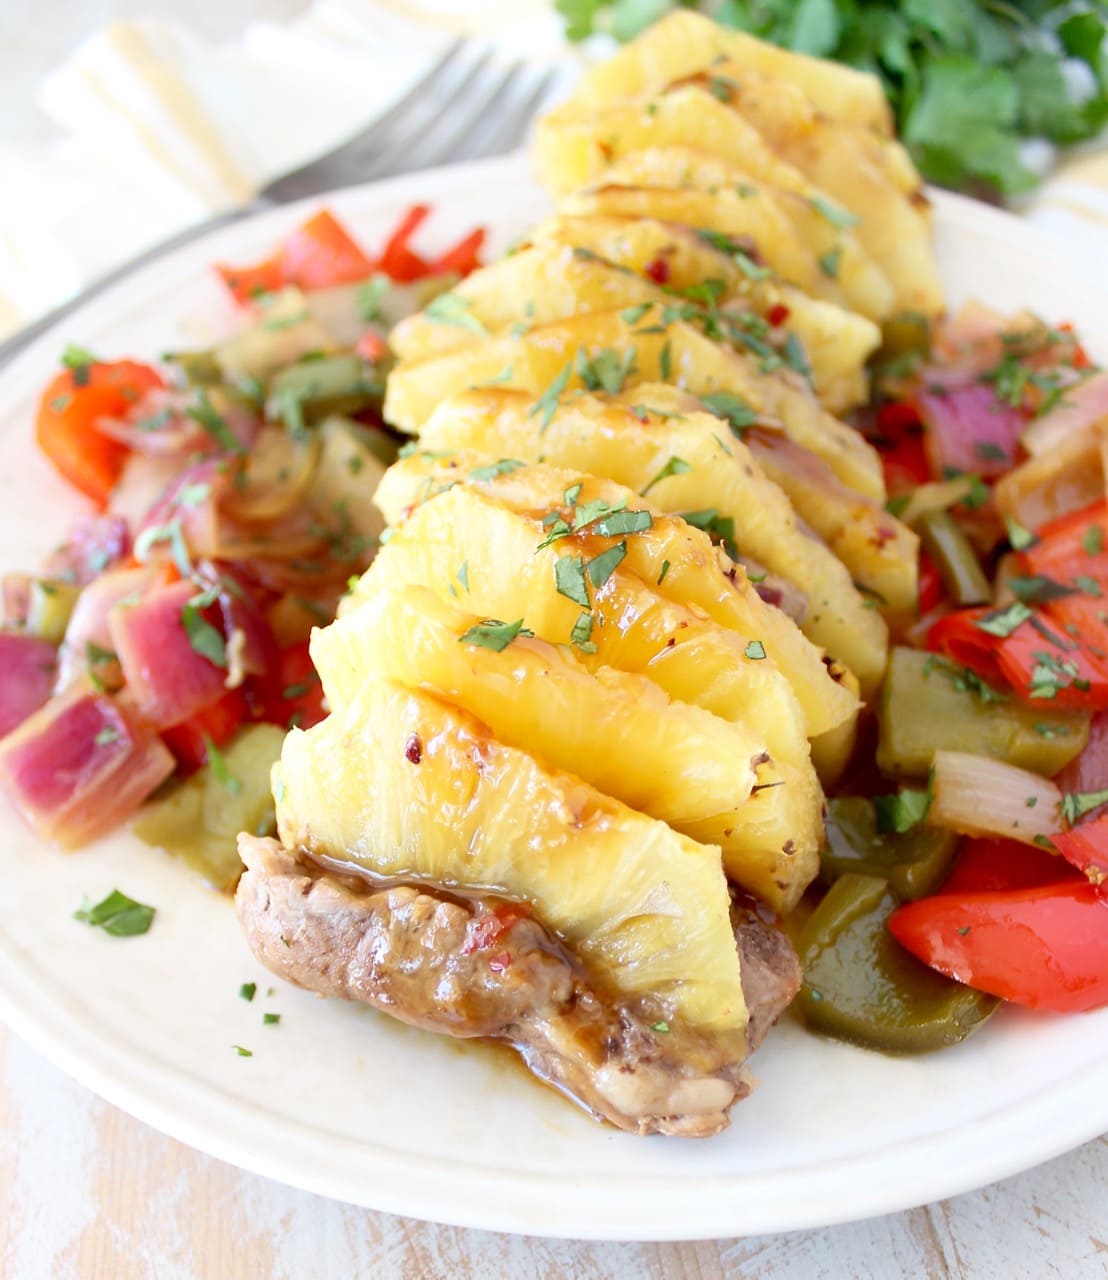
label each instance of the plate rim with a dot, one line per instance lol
(458, 1193)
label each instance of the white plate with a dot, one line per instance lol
(344, 1102)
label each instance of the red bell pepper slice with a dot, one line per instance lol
(214, 725)
(1086, 847)
(247, 283)
(1043, 663)
(463, 258)
(68, 411)
(1071, 544)
(294, 695)
(1045, 947)
(986, 864)
(398, 261)
(321, 253)
(931, 590)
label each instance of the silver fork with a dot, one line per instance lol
(464, 107)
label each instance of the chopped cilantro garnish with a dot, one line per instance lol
(664, 571)
(369, 296)
(214, 424)
(569, 578)
(622, 522)
(217, 762)
(248, 990)
(547, 404)
(601, 567)
(674, 467)
(665, 362)
(205, 639)
(117, 914)
(1093, 540)
(904, 810)
(606, 370)
(270, 1019)
(833, 213)
(494, 634)
(503, 467)
(755, 649)
(632, 315)
(733, 409)
(1076, 804)
(1018, 536)
(581, 634)
(243, 1053)
(463, 575)
(453, 309)
(1003, 622)
(830, 261)
(572, 494)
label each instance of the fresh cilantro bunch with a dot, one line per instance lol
(967, 79)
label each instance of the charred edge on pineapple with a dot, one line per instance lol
(473, 966)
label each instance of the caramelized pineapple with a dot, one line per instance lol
(497, 550)
(684, 43)
(616, 731)
(635, 627)
(622, 348)
(660, 444)
(405, 785)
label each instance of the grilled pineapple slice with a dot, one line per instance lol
(680, 457)
(635, 628)
(403, 784)
(881, 553)
(825, 257)
(616, 731)
(551, 281)
(685, 43)
(836, 341)
(550, 359)
(677, 560)
(770, 132)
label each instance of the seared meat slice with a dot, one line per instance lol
(484, 967)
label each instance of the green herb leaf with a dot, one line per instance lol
(569, 579)
(620, 523)
(903, 811)
(1093, 540)
(733, 409)
(270, 1019)
(217, 763)
(674, 467)
(1018, 536)
(833, 213)
(547, 404)
(248, 990)
(632, 315)
(1003, 622)
(601, 567)
(214, 424)
(1076, 804)
(581, 634)
(369, 296)
(504, 467)
(606, 370)
(117, 914)
(453, 309)
(664, 571)
(755, 649)
(830, 261)
(204, 638)
(494, 634)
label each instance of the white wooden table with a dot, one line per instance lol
(87, 1193)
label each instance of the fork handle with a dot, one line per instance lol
(23, 337)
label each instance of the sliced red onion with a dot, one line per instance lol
(1081, 407)
(88, 634)
(27, 667)
(167, 675)
(94, 544)
(969, 431)
(80, 765)
(158, 425)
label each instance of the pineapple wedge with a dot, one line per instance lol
(769, 131)
(881, 553)
(828, 260)
(550, 359)
(684, 43)
(646, 909)
(682, 458)
(676, 559)
(553, 281)
(617, 732)
(636, 628)
(837, 342)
